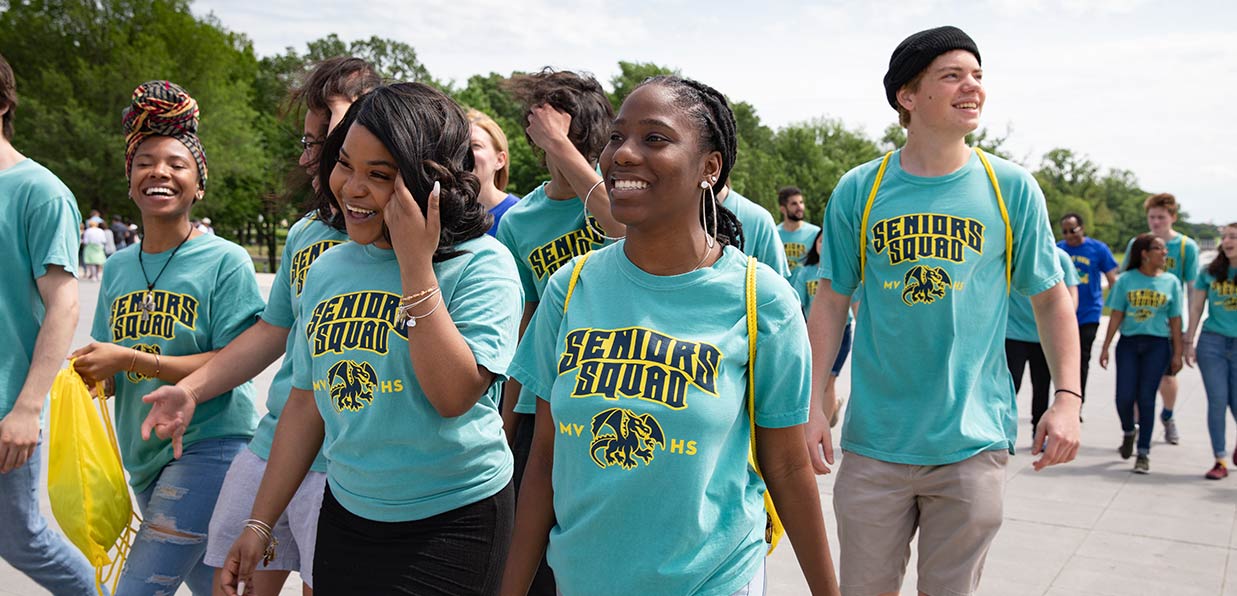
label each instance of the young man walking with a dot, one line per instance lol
(38, 236)
(1093, 260)
(797, 235)
(936, 234)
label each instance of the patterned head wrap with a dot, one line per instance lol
(162, 108)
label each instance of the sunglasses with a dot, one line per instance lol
(1073, 230)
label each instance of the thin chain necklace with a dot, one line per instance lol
(148, 298)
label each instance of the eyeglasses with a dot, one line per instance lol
(1073, 230)
(308, 143)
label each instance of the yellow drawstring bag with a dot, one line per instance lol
(85, 482)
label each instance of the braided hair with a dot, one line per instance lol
(718, 132)
(431, 141)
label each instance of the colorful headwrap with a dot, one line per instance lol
(162, 108)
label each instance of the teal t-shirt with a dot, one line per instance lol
(1182, 259)
(797, 243)
(307, 240)
(38, 229)
(804, 280)
(390, 456)
(1221, 302)
(646, 380)
(543, 234)
(1021, 324)
(929, 373)
(760, 238)
(206, 297)
(1148, 302)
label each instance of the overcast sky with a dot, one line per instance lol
(1131, 84)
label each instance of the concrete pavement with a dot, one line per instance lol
(1087, 528)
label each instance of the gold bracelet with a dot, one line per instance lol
(158, 366)
(132, 361)
(411, 297)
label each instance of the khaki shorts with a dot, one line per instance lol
(957, 509)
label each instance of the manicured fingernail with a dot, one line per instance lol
(240, 588)
(437, 187)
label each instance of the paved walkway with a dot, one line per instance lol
(1087, 528)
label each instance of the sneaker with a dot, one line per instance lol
(1218, 472)
(1127, 446)
(1171, 436)
(1142, 465)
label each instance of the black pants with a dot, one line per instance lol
(460, 552)
(1020, 353)
(1086, 335)
(543, 582)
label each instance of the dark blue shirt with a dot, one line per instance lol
(499, 210)
(1092, 259)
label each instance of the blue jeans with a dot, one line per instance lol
(1217, 361)
(1141, 361)
(176, 512)
(29, 545)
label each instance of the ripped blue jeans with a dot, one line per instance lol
(176, 512)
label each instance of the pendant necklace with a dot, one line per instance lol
(148, 297)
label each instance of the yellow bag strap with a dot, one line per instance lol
(1000, 201)
(773, 523)
(575, 276)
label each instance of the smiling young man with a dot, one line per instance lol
(1093, 260)
(927, 233)
(797, 235)
(1182, 263)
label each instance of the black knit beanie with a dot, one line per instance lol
(916, 52)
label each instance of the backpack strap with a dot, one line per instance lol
(575, 276)
(1009, 230)
(867, 210)
(773, 524)
(1000, 201)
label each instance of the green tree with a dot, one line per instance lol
(486, 94)
(78, 61)
(630, 75)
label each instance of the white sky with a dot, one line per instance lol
(1131, 84)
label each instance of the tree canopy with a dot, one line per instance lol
(77, 61)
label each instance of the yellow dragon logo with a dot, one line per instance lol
(352, 385)
(630, 438)
(924, 285)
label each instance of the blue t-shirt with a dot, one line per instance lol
(1181, 261)
(391, 456)
(929, 359)
(797, 243)
(1092, 259)
(760, 238)
(207, 296)
(498, 210)
(646, 380)
(543, 234)
(1021, 324)
(38, 229)
(1221, 301)
(307, 240)
(1148, 302)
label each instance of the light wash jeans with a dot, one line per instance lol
(176, 512)
(29, 545)
(1217, 361)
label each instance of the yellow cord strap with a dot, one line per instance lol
(575, 276)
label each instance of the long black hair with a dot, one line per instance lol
(1142, 242)
(1218, 268)
(813, 255)
(430, 139)
(718, 132)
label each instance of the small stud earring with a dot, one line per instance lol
(704, 184)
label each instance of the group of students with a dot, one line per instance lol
(597, 398)
(1147, 298)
